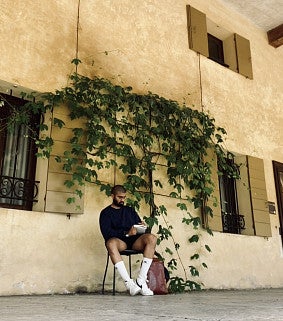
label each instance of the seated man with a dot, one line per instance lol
(117, 227)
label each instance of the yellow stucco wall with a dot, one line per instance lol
(147, 47)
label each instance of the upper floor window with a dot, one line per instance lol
(215, 48)
(226, 48)
(17, 155)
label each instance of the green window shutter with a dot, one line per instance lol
(259, 197)
(244, 59)
(197, 30)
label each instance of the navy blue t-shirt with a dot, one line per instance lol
(117, 222)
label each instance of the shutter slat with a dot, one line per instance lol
(56, 203)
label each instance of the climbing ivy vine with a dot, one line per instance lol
(138, 134)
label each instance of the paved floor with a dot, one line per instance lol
(250, 305)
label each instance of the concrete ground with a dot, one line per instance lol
(248, 305)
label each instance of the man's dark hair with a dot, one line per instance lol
(118, 189)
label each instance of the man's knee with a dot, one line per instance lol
(114, 244)
(151, 239)
(111, 244)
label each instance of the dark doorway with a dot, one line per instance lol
(278, 177)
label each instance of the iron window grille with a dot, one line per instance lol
(18, 192)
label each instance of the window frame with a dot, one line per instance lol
(18, 192)
(215, 49)
(232, 221)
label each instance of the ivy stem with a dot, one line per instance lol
(175, 243)
(200, 83)
(77, 35)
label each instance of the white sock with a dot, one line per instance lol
(143, 271)
(120, 267)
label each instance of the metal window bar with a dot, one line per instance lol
(14, 190)
(233, 223)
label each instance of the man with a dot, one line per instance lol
(117, 227)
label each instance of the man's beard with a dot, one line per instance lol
(119, 204)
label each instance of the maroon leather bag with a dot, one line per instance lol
(156, 277)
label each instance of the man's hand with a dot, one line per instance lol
(132, 231)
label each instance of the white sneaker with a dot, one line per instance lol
(144, 289)
(132, 287)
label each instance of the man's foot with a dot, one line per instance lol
(132, 287)
(144, 289)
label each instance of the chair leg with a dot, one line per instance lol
(114, 278)
(130, 266)
(105, 272)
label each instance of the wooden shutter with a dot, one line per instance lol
(57, 193)
(259, 197)
(197, 31)
(244, 59)
(243, 195)
(215, 222)
(229, 50)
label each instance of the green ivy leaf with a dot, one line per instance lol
(207, 248)
(167, 250)
(60, 123)
(194, 238)
(71, 200)
(76, 61)
(182, 206)
(193, 270)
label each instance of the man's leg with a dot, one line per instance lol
(114, 247)
(147, 244)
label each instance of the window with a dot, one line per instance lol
(232, 221)
(210, 40)
(17, 157)
(215, 49)
(242, 206)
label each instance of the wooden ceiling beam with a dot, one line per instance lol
(275, 36)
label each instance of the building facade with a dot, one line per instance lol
(199, 52)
